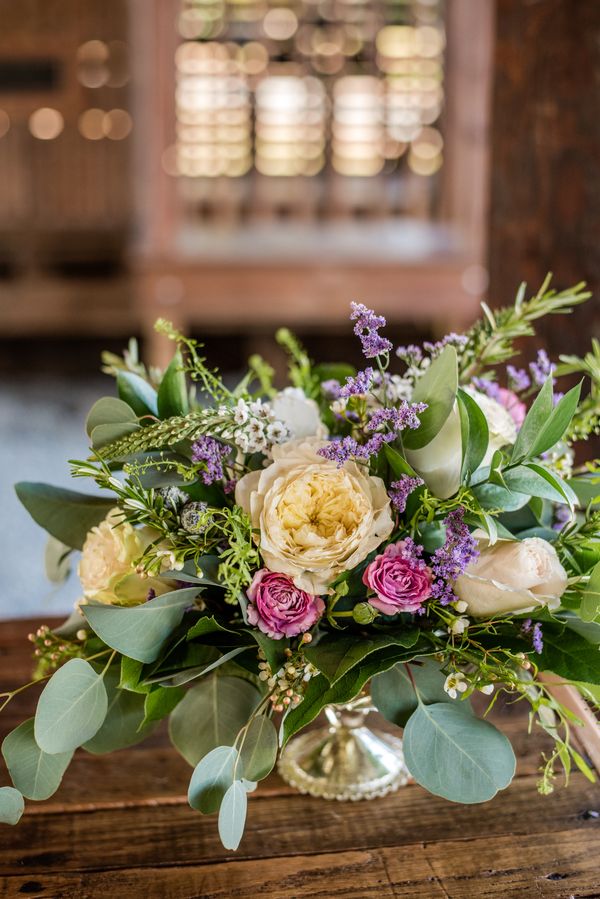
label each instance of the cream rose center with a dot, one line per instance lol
(316, 508)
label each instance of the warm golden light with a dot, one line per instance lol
(46, 123)
(117, 124)
(91, 124)
(280, 24)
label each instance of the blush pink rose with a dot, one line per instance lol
(513, 405)
(279, 608)
(401, 583)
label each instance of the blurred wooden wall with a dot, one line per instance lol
(545, 145)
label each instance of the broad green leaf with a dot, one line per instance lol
(210, 715)
(212, 777)
(66, 515)
(232, 815)
(109, 411)
(589, 630)
(140, 631)
(492, 496)
(36, 774)
(558, 422)
(335, 655)
(475, 433)
(131, 675)
(160, 702)
(398, 464)
(587, 489)
(135, 391)
(56, 560)
(258, 751)
(456, 755)
(172, 394)
(274, 650)
(394, 695)
(535, 421)
(569, 655)
(537, 481)
(320, 693)
(122, 725)
(590, 604)
(189, 674)
(71, 708)
(437, 387)
(11, 805)
(208, 624)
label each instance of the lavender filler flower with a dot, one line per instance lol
(452, 559)
(213, 454)
(400, 490)
(367, 325)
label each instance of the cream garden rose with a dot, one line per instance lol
(107, 570)
(511, 577)
(298, 413)
(315, 520)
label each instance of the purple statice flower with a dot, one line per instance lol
(537, 637)
(541, 369)
(452, 339)
(563, 517)
(400, 490)
(341, 450)
(490, 388)
(518, 379)
(212, 454)
(411, 354)
(331, 388)
(358, 385)
(230, 485)
(398, 419)
(452, 559)
(366, 327)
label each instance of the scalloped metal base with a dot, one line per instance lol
(343, 763)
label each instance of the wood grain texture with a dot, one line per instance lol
(120, 826)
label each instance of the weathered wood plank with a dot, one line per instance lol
(279, 826)
(561, 864)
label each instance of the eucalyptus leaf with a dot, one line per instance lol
(102, 435)
(135, 391)
(71, 708)
(36, 774)
(232, 815)
(11, 805)
(335, 655)
(437, 387)
(109, 411)
(140, 631)
(172, 396)
(65, 514)
(456, 755)
(212, 777)
(124, 722)
(56, 560)
(211, 714)
(258, 751)
(394, 691)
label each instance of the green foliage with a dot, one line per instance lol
(335, 654)
(140, 631)
(110, 419)
(71, 708)
(56, 560)
(124, 724)
(232, 815)
(212, 777)
(569, 655)
(210, 715)
(11, 805)
(258, 748)
(36, 774)
(172, 396)
(396, 693)
(474, 433)
(456, 755)
(437, 387)
(137, 393)
(66, 515)
(161, 701)
(300, 367)
(590, 603)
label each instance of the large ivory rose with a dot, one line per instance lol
(315, 520)
(439, 463)
(512, 577)
(107, 566)
(299, 414)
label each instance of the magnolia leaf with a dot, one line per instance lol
(335, 655)
(109, 411)
(66, 515)
(172, 394)
(456, 755)
(535, 421)
(437, 387)
(258, 751)
(232, 815)
(123, 724)
(71, 708)
(210, 715)
(140, 631)
(212, 777)
(11, 805)
(394, 692)
(36, 774)
(590, 604)
(474, 431)
(556, 425)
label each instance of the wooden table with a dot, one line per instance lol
(120, 826)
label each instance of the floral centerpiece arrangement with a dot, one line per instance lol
(418, 528)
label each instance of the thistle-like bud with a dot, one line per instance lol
(364, 613)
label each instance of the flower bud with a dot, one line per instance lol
(364, 613)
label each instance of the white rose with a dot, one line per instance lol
(512, 577)
(106, 568)
(299, 413)
(501, 425)
(315, 520)
(439, 463)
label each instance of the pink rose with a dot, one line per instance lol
(400, 581)
(279, 608)
(513, 405)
